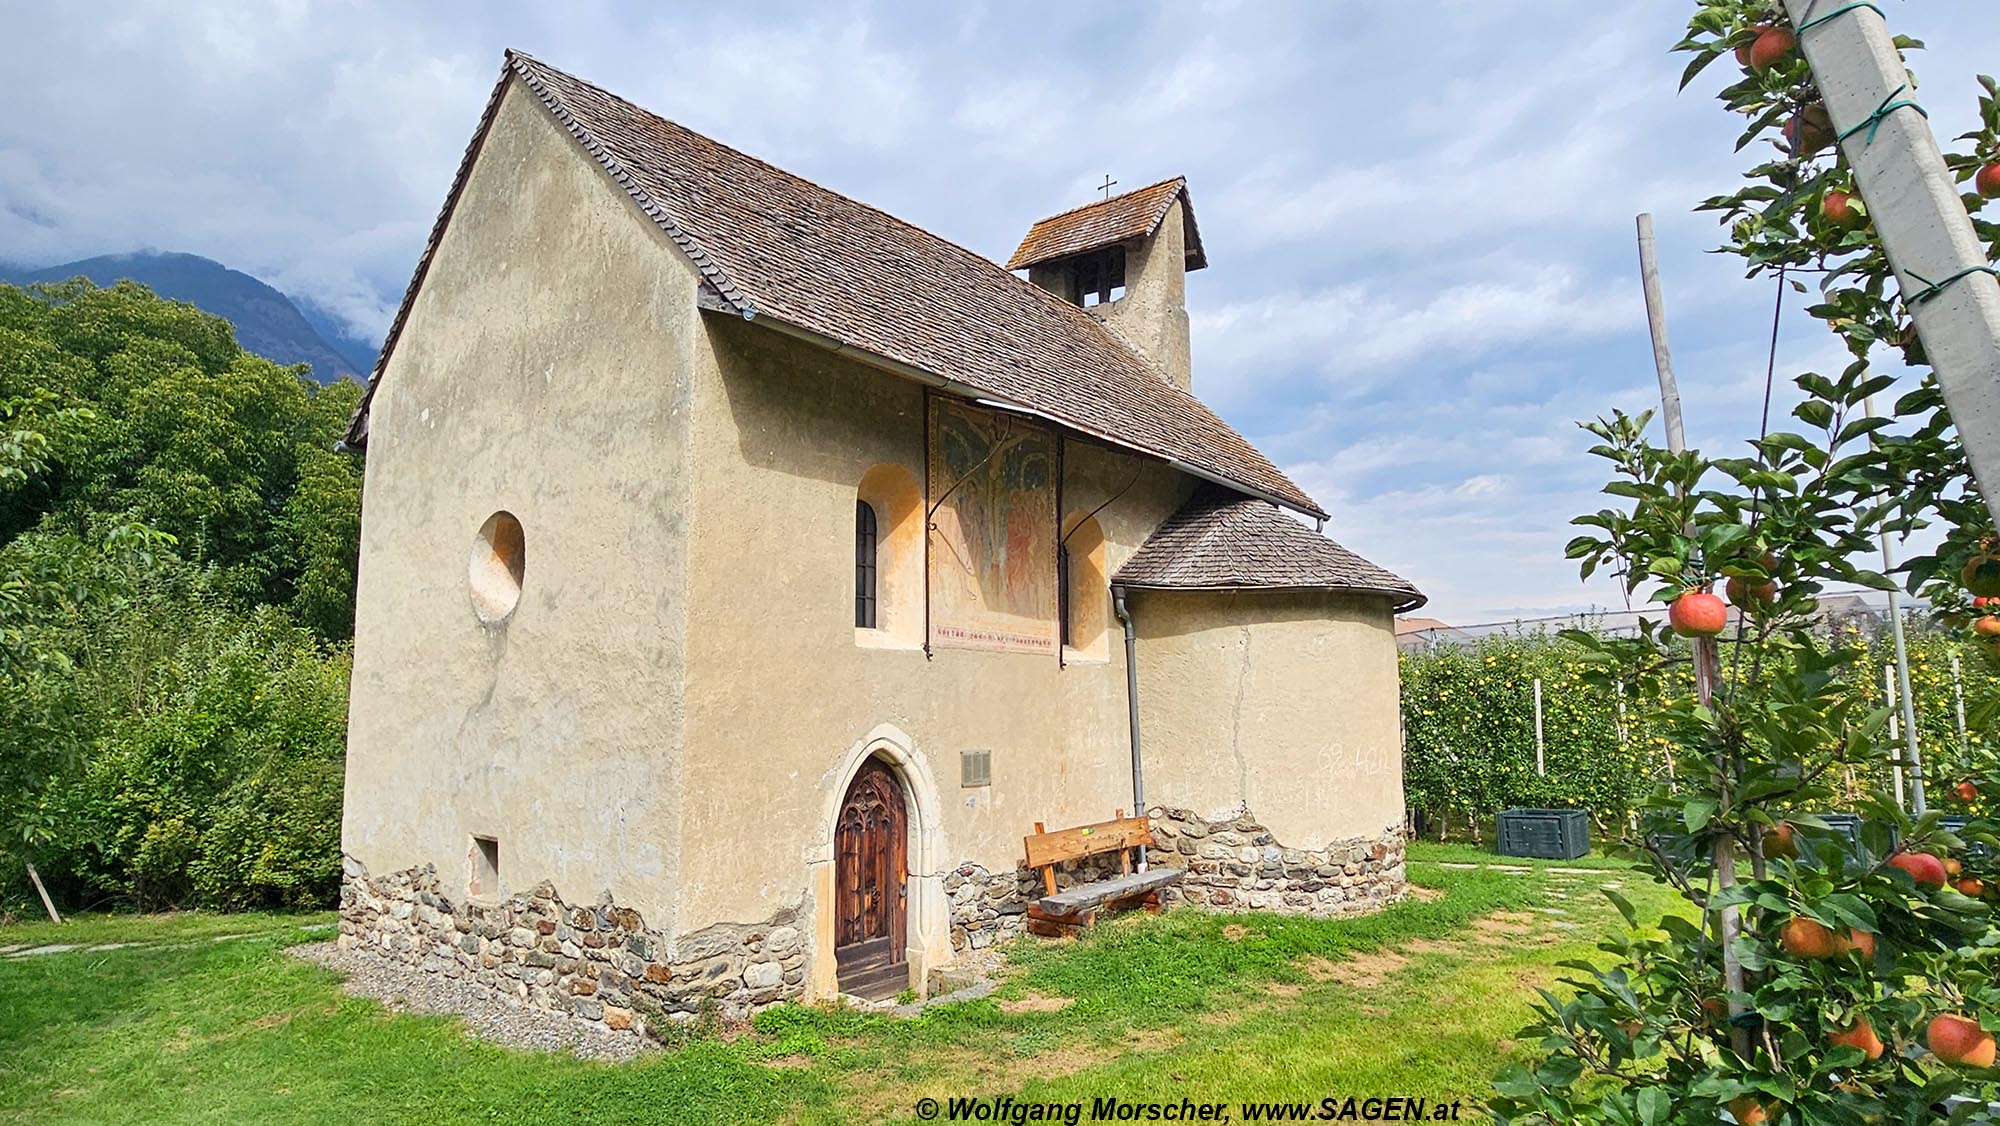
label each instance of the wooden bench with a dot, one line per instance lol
(1060, 913)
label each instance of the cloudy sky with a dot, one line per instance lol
(1418, 216)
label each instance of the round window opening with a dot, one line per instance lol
(499, 556)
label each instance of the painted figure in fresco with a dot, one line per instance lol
(994, 530)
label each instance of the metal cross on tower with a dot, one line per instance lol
(1107, 185)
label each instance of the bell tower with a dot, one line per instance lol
(1125, 261)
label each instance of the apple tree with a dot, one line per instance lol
(1828, 969)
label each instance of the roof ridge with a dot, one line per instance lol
(772, 244)
(735, 296)
(1182, 180)
(524, 65)
(767, 165)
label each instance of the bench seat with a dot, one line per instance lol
(1066, 903)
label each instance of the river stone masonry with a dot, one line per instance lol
(989, 907)
(1235, 864)
(596, 962)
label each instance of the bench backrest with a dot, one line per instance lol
(1048, 849)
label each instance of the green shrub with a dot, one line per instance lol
(215, 780)
(1469, 724)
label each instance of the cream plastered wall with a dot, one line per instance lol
(1153, 313)
(543, 371)
(781, 700)
(1284, 703)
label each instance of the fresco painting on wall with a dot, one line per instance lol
(993, 536)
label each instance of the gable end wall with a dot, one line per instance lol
(543, 371)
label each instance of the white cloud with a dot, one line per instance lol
(1352, 331)
(1418, 217)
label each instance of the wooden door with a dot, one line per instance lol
(870, 874)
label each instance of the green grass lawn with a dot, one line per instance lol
(1455, 852)
(91, 929)
(1420, 999)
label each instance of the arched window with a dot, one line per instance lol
(864, 565)
(889, 559)
(1083, 590)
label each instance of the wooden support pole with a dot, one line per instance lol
(1707, 660)
(35, 878)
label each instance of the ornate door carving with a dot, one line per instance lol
(871, 868)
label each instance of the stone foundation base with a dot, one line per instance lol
(1232, 865)
(596, 962)
(1236, 864)
(989, 907)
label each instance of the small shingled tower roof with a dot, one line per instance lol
(1136, 214)
(1223, 541)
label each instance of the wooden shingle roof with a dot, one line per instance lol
(1220, 541)
(771, 245)
(1136, 214)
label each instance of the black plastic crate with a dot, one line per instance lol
(1846, 824)
(1547, 834)
(1956, 826)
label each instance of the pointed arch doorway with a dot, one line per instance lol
(871, 883)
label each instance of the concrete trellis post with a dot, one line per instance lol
(1914, 204)
(1958, 710)
(1889, 698)
(1541, 760)
(1911, 753)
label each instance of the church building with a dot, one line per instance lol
(745, 573)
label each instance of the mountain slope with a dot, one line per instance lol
(267, 322)
(359, 353)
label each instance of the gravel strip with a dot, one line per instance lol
(487, 1013)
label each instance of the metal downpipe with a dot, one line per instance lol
(1132, 707)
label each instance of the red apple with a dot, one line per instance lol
(1778, 842)
(1959, 1039)
(1924, 868)
(1987, 182)
(1698, 613)
(1748, 1111)
(1742, 594)
(1860, 1035)
(1809, 939)
(1970, 887)
(1952, 867)
(1860, 942)
(1981, 573)
(1809, 130)
(1838, 207)
(1987, 626)
(1966, 790)
(1772, 46)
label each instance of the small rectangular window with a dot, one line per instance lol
(485, 867)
